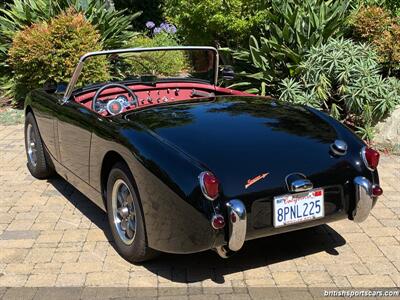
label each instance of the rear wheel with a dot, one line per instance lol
(125, 216)
(39, 163)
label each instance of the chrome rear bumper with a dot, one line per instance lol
(364, 199)
(238, 218)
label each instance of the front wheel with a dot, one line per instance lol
(126, 217)
(39, 163)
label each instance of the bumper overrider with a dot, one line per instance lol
(364, 199)
(238, 219)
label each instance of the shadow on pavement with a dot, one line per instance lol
(94, 213)
(208, 265)
(254, 254)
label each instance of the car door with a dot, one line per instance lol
(75, 126)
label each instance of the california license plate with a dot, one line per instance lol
(297, 208)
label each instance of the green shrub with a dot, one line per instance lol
(51, 50)
(392, 5)
(216, 22)
(343, 78)
(375, 25)
(167, 63)
(114, 26)
(293, 27)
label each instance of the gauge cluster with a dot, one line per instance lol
(114, 106)
(120, 103)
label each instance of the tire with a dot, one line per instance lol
(125, 216)
(39, 162)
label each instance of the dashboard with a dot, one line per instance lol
(118, 102)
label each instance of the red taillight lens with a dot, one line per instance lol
(377, 191)
(209, 185)
(218, 221)
(371, 158)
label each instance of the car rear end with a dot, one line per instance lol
(348, 189)
(336, 180)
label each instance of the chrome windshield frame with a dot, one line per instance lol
(79, 66)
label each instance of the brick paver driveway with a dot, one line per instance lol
(51, 235)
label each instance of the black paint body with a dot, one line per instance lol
(166, 147)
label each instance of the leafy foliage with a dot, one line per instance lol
(293, 27)
(216, 22)
(51, 50)
(375, 25)
(114, 26)
(343, 78)
(167, 63)
(151, 10)
(392, 5)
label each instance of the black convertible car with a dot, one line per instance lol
(182, 165)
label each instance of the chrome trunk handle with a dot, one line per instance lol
(298, 182)
(300, 185)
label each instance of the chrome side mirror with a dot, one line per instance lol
(50, 86)
(53, 87)
(228, 73)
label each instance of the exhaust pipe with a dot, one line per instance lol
(223, 252)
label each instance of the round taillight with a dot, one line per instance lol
(209, 185)
(371, 158)
(218, 221)
(377, 191)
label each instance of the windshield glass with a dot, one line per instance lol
(149, 66)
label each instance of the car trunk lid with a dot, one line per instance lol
(250, 143)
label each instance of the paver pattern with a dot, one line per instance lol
(53, 236)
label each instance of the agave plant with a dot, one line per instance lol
(343, 78)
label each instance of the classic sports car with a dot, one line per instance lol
(182, 165)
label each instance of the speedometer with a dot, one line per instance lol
(123, 100)
(115, 107)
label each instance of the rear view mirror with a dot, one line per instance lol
(228, 73)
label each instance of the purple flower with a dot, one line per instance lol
(157, 30)
(164, 26)
(171, 29)
(150, 24)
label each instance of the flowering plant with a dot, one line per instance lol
(164, 27)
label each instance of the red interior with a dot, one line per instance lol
(159, 93)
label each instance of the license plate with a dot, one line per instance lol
(297, 208)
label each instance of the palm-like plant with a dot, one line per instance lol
(292, 28)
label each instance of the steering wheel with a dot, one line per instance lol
(111, 85)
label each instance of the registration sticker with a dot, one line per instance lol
(297, 208)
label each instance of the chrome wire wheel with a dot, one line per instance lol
(124, 211)
(31, 145)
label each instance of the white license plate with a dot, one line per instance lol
(297, 208)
